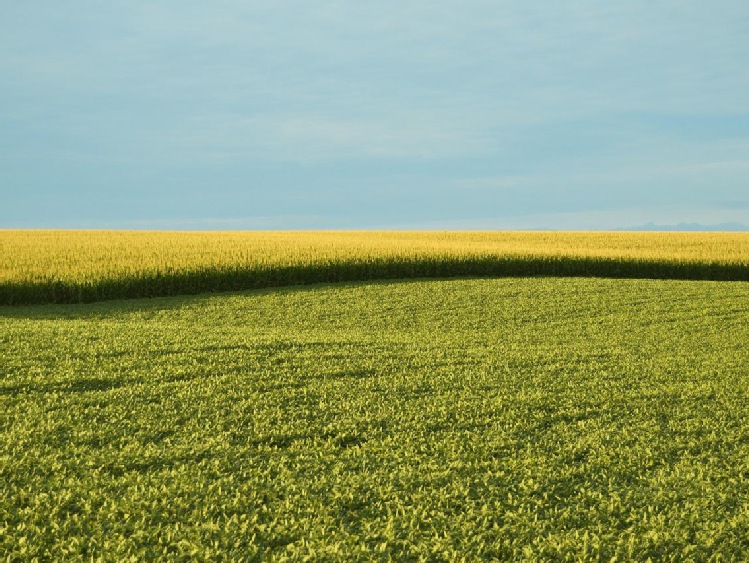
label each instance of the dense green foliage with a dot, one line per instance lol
(86, 266)
(540, 418)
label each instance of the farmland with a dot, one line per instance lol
(86, 266)
(547, 418)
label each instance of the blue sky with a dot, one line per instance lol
(434, 115)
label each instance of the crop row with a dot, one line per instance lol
(86, 266)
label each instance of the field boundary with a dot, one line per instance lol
(223, 279)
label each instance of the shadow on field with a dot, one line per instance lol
(154, 305)
(213, 280)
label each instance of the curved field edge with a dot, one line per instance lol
(84, 266)
(220, 279)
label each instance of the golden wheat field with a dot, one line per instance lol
(92, 255)
(57, 265)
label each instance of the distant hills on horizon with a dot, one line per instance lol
(733, 227)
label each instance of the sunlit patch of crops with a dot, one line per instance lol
(76, 266)
(551, 419)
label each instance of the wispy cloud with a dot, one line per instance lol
(310, 137)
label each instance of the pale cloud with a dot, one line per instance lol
(497, 182)
(312, 138)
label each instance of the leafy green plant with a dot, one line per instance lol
(427, 420)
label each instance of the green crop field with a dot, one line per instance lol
(516, 418)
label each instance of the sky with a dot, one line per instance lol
(227, 115)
